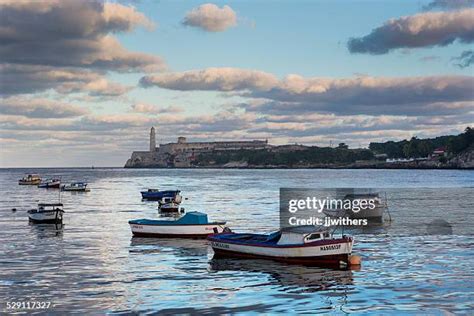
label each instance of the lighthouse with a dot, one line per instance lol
(152, 140)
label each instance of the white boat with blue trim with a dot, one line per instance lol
(307, 245)
(191, 225)
(76, 187)
(47, 213)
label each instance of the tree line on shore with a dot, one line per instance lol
(416, 148)
(314, 155)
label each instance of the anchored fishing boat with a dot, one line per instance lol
(47, 213)
(76, 187)
(50, 184)
(157, 195)
(31, 179)
(307, 245)
(168, 204)
(191, 225)
(374, 211)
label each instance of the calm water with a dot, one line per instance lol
(92, 264)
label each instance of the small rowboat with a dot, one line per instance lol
(50, 184)
(31, 179)
(76, 187)
(157, 195)
(47, 213)
(168, 204)
(306, 245)
(191, 225)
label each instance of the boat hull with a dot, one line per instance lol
(55, 185)
(166, 208)
(33, 182)
(158, 196)
(73, 189)
(169, 210)
(329, 253)
(46, 217)
(178, 231)
(327, 260)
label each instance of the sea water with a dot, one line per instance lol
(421, 262)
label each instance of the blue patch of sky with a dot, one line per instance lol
(290, 37)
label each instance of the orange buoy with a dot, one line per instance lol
(355, 260)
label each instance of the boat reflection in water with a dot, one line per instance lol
(179, 247)
(294, 278)
(47, 230)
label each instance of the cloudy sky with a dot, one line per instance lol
(82, 82)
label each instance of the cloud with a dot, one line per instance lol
(39, 108)
(466, 59)
(72, 33)
(359, 95)
(221, 79)
(418, 109)
(421, 30)
(449, 4)
(369, 91)
(152, 109)
(98, 87)
(211, 18)
(69, 46)
(25, 79)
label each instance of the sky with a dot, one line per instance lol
(82, 82)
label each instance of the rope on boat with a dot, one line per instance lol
(387, 208)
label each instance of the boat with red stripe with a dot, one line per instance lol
(308, 245)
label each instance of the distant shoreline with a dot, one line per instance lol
(309, 168)
(247, 168)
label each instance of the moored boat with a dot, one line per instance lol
(31, 179)
(306, 245)
(47, 213)
(168, 204)
(191, 225)
(157, 195)
(373, 213)
(50, 184)
(76, 187)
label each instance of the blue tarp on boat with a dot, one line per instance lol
(191, 218)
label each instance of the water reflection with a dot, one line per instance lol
(296, 278)
(179, 247)
(47, 230)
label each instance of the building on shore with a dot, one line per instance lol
(182, 153)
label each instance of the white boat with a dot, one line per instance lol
(76, 187)
(47, 213)
(191, 225)
(170, 204)
(300, 244)
(50, 184)
(372, 214)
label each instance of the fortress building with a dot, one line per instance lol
(183, 153)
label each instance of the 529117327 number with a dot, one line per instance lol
(28, 305)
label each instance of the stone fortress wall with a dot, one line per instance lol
(182, 153)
